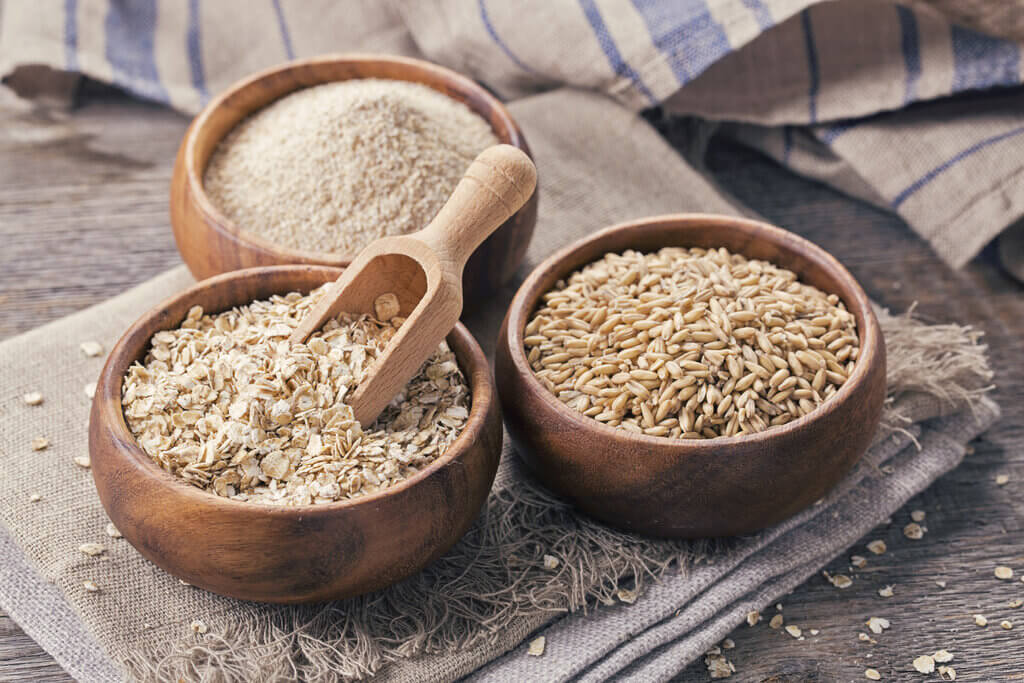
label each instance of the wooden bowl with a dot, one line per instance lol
(212, 244)
(286, 554)
(691, 488)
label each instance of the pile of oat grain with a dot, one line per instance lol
(335, 166)
(228, 404)
(690, 343)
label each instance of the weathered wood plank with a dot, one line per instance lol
(22, 660)
(83, 216)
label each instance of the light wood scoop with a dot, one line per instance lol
(424, 271)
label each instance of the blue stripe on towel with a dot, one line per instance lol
(981, 61)
(910, 42)
(830, 133)
(761, 13)
(946, 165)
(194, 45)
(130, 31)
(493, 33)
(286, 36)
(71, 35)
(611, 50)
(813, 75)
(686, 33)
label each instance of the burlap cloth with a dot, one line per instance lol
(469, 613)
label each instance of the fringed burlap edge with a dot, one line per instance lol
(495, 576)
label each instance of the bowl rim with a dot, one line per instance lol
(526, 297)
(127, 448)
(213, 217)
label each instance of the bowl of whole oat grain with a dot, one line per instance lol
(691, 375)
(309, 161)
(228, 456)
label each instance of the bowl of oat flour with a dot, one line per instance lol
(311, 161)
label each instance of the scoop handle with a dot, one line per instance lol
(495, 186)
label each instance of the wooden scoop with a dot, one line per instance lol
(424, 271)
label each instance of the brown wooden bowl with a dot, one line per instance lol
(286, 554)
(212, 244)
(691, 488)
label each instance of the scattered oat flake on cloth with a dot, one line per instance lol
(924, 664)
(82, 461)
(877, 547)
(858, 561)
(198, 627)
(794, 631)
(90, 389)
(885, 592)
(40, 443)
(626, 596)
(536, 648)
(1006, 624)
(91, 348)
(728, 644)
(32, 398)
(35, 498)
(917, 515)
(877, 624)
(1014, 604)
(776, 621)
(872, 675)
(90, 586)
(866, 638)
(1004, 573)
(947, 673)
(753, 617)
(940, 584)
(550, 562)
(112, 531)
(92, 549)
(943, 656)
(1002, 479)
(980, 620)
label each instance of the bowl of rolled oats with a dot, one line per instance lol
(691, 375)
(228, 456)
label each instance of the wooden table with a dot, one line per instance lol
(83, 216)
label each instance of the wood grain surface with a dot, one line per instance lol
(83, 215)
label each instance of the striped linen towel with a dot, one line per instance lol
(815, 83)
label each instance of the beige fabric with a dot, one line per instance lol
(824, 71)
(599, 164)
(959, 204)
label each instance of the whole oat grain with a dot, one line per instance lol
(690, 343)
(335, 166)
(227, 404)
